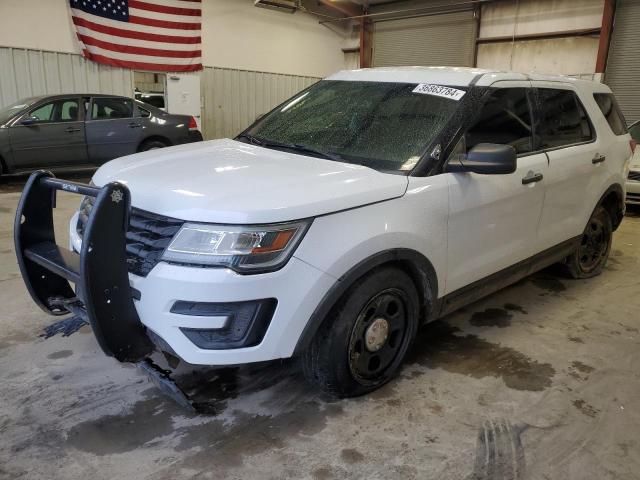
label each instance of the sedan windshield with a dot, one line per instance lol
(6, 113)
(386, 126)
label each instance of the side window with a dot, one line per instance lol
(562, 120)
(505, 118)
(611, 111)
(43, 113)
(144, 113)
(57, 111)
(110, 108)
(69, 110)
(634, 130)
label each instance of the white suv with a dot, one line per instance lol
(633, 178)
(367, 204)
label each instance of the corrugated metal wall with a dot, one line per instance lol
(232, 99)
(623, 64)
(25, 73)
(443, 39)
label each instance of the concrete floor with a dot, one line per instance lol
(538, 381)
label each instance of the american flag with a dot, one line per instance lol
(161, 35)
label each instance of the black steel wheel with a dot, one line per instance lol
(591, 255)
(378, 335)
(362, 342)
(594, 245)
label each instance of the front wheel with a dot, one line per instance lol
(152, 145)
(591, 255)
(362, 343)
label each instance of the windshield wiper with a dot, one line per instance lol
(290, 146)
(251, 138)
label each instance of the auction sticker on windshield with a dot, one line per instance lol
(439, 91)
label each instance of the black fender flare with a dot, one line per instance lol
(618, 215)
(420, 269)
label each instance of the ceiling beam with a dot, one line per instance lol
(345, 7)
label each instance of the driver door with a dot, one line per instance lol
(54, 137)
(493, 219)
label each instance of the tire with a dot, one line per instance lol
(590, 257)
(377, 318)
(152, 145)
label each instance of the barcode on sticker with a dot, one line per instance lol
(439, 91)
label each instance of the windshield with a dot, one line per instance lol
(6, 113)
(382, 125)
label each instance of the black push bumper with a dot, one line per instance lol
(103, 296)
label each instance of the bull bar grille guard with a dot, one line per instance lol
(103, 296)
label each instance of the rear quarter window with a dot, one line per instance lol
(611, 111)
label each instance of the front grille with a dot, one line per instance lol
(147, 236)
(635, 176)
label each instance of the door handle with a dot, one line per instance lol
(532, 178)
(598, 159)
(134, 125)
(71, 130)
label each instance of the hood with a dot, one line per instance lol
(225, 181)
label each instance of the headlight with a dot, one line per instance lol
(245, 249)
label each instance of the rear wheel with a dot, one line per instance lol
(590, 257)
(362, 343)
(152, 145)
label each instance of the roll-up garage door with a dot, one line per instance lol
(623, 64)
(444, 39)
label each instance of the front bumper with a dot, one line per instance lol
(633, 188)
(298, 288)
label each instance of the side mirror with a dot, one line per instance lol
(487, 159)
(29, 121)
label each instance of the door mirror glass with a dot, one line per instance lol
(486, 159)
(31, 120)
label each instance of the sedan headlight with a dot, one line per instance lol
(245, 249)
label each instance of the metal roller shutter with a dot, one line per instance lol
(623, 66)
(443, 39)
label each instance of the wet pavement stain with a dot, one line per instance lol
(628, 328)
(512, 307)
(225, 445)
(491, 317)
(440, 345)
(582, 367)
(548, 282)
(585, 408)
(323, 473)
(113, 434)
(294, 409)
(351, 455)
(580, 371)
(14, 339)
(60, 354)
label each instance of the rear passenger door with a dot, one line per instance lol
(112, 130)
(576, 161)
(493, 219)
